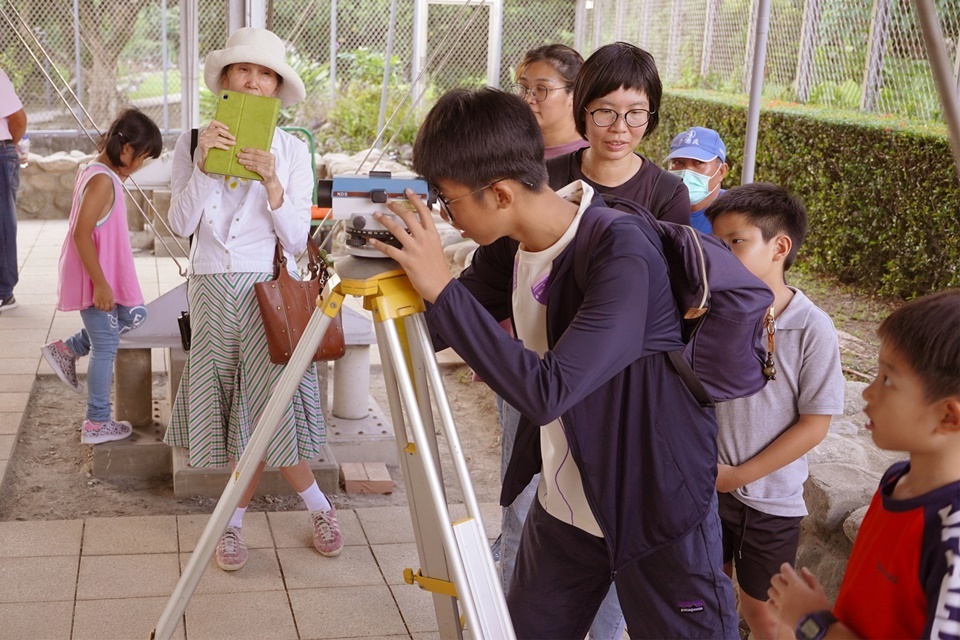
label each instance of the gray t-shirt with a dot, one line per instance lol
(809, 381)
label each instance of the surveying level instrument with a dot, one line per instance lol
(456, 563)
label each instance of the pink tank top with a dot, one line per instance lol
(111, 237)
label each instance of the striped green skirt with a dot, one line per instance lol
(228, 379)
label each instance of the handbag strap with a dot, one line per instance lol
(279, 260)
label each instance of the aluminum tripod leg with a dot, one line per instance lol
(410, 373)
(246, 467)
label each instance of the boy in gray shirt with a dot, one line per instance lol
(763, 439)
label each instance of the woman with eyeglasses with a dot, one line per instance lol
(616, 99)
(545, 80)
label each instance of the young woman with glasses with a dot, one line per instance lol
(616, 99)
(545, 82)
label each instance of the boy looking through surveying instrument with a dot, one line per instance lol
(628, 455)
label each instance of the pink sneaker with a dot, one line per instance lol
(232, 551)
(63, 363)
(326, 532)
(99, 432)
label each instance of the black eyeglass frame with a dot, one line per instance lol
(445, 210)
(619, 115)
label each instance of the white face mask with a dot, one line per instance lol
(697, 184)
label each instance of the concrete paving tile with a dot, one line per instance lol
(435, 636)
(261, 573)
(7, 444)
(256, 532)
(386, 524)
(394, 558)
(32, 620)
(38, 579)
(18, 319)
(15, 401)
(3, 470)
(292, 529)
(111, 577)
(128, 618)
(130, 535)
(36, 336)
(22, 383)
(40, 538)
(307, 569)
(416, 607)
(240, 616)
(346, 612)
(18, 366)
(10, 422)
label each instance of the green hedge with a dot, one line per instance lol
(883, 195)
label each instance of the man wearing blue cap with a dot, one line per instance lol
(699, 157)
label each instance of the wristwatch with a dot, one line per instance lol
(813, 626)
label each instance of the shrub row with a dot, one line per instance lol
(883, 196)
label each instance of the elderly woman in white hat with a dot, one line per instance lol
(235, 224)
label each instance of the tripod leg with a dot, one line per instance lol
(426, 525)
(247, 465)
(494, 618)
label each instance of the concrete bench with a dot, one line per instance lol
(145, 454)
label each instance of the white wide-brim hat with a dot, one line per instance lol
(257, 46)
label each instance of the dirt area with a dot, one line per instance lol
(50, 479)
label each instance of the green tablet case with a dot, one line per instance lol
(252, 119)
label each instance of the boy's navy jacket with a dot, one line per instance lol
(646, 450)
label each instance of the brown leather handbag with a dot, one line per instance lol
(286, 305)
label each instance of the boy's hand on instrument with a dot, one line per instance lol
(422, 254)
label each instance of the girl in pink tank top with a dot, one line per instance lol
(97, 274)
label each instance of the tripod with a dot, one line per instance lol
(456, 564)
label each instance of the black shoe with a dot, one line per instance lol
(8, 303)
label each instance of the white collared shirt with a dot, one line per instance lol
(234, 229)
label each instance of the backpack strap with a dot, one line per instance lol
(689, 377)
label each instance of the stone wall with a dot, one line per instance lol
(46, 185)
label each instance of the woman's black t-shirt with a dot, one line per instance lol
(564, 169)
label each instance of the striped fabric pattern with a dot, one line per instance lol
(228, 379)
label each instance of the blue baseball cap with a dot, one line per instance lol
(698, 143)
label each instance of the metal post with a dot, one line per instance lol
(756, 90)
(597, 24)
(645, 25)
(165, 63)
(621, 11)
(76, 54)
(876, 46)
(751, 46)
(189, 67)
(495, 43)
(709, 27)
(387, 55)
(809, 32)
(333, 53)
(673, 47)
(579, 20)
(940, 66)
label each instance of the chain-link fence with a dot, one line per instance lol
(864, 55)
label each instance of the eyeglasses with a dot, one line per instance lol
(538, 91)
(445, 204)
(607, 117)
